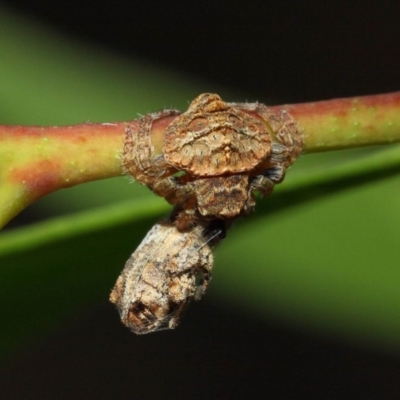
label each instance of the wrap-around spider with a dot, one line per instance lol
(214, 156)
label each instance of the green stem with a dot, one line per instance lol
(346, 123)
(35, 161)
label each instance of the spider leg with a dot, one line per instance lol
(172, 190)
(262, 184)
(276, 173)
(286, 131)
(138, 156)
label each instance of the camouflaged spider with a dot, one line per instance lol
(214, 156)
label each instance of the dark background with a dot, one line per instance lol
(288, 51)
(285, 50)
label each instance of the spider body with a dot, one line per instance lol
(214, 156)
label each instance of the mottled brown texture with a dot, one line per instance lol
(167, 270)
(212, 139)
(138, 157)
(223, 152)
(214, 157)
(225, 197)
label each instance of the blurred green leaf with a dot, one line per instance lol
(52, 269)
(325, 277)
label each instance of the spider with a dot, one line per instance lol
(215, 156)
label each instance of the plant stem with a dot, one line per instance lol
(35, 161)
(346, 123)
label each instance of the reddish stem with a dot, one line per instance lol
(350, 122)
(35, 161)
